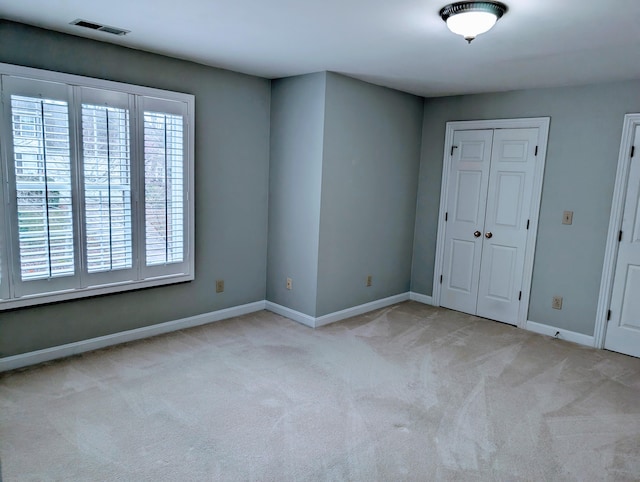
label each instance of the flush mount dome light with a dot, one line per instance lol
(470, 19)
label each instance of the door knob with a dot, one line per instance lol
(477, 234)
(488, 235)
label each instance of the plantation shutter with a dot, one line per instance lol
(95, 187)
(40, 166)
(164, 185)
(107, 184)
(4, 255)
(164, 210)
(42, 163)
(4, 281)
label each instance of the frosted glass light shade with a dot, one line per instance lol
(470, 18)
(471, 24)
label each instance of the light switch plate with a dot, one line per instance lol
(567, 217)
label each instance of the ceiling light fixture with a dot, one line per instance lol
(471, 19)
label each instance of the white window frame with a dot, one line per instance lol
(149, 104)
(139, 276)
(54, 91)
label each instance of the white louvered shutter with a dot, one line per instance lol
(4, 239)
(107, 184)
(42, 187)
(42, 164)
(96, 182)
(164, 186)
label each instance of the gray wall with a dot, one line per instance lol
(231, 175)
(295, 179)
(343, 189)
(342, 193)
(369, 187)
(584, 139)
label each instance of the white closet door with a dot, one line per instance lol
(508, 206)
(623, 330)
(468, 184)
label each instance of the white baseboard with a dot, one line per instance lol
(360, 309)
(294, 315)
(336, 316)
(562, 334)
(48, 354)
(427, 300)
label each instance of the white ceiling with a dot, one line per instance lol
(398, 43)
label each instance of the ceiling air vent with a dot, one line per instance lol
(99, 27)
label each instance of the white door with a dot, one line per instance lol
(490, 195)
(510, 193)
(468, 184)
(623, 329)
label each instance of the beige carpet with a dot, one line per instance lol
(409, 392)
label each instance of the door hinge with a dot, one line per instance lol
(452, 148)
(446, 217)
(528, 221)
(520, 296)
(633, 151)
(536, 153)
(608, 315)
(440, 279)
(620, 237)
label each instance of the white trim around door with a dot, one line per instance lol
(631, 122)
(542, 124)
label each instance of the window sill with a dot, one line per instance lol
(79, 293)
